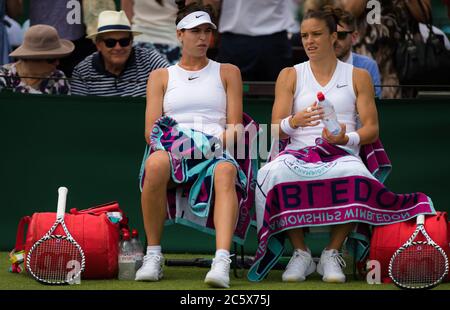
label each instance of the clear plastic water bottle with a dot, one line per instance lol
(123, 230)
(127, 260)
(329, 118)
(137, 248)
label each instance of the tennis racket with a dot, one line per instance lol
(418, 264)
(52, 258)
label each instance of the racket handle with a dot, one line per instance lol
(420, 219)
(62, 195)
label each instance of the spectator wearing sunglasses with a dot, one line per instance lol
(117, 68)
(346, 38)
(37, 58)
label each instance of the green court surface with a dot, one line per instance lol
(187, 278)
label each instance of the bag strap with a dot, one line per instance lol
(97, 210)
(407, 33)
(441, 214)
(17, 255)
(20, 242)
(104, 208)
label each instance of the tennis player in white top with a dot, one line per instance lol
(295, 109)
(196, 87)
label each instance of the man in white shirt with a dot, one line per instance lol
(254, 37)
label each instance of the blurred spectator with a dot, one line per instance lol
(4, 46)
(156, 20)
(447, 3)
(117, 68)
(13, 8)
(254, 37)
(355, 7)
(294, 8)
(35, 71)
(15, 32)
(91, 10)
(298, 52)
(316, 4)
(380, 40)
(67, 17)
(346, 37)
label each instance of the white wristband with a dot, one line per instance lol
(353, 139)
(286, 127)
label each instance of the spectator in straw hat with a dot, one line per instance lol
(35, 70)
(117, 68)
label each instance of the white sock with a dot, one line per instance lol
(306, 251)
(222, 253)
(154, 250)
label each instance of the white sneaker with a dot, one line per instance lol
(330, 266)
(151, 269)
(219, 275)
(299, 267)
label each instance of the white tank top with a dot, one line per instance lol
(197, 99)
(339, 91)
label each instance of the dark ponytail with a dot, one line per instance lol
(184, 10)
(330, 15)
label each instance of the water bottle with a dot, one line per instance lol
(137, 248)
(329, 118)
(123, 230)
(127, 260)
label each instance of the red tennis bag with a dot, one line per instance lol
(97, 231)
(387, 239)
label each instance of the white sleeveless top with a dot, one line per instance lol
(339, 91)
(197, 99)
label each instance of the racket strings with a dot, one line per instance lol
(419, 265)
(49, 260)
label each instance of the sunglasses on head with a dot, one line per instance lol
(110, 43)
(342, 35)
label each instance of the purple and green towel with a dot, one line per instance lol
(194, 156)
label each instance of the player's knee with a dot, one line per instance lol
(157, 167)
(225, 174)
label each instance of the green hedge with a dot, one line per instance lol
(94, 146)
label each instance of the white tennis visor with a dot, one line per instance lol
(195, 19)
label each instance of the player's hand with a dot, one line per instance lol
(339, 139)
(308, 117)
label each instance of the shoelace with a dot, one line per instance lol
(152, 258)
(222, 263)
(294, 261)
(338, 260)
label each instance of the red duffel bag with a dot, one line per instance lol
(97, 231)
(387, 239)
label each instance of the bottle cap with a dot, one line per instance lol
(320, 96)
(134, 233)
(126, 235)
